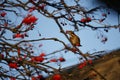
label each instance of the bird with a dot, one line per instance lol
(74, 39)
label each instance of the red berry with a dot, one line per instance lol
(83, 64)
(18, 35)
(42, 6)
(53, 60)
(13, 65)
(20, 59)
(29, 20)
(88, 19)
(70, 19)
(80, 66)
(42, 55)
(90, 61)
(32, 9)
(39, 77)
(39, 59)
(56, 77)
(22, 35)
(3, 14)
(61, 59)
(83, 20)
(12, 78)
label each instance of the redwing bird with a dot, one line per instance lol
(75, 40)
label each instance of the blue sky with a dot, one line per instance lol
(88, 37)
(48, 28)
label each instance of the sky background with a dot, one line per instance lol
(48, 28)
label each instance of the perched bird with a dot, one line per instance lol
(75, 40)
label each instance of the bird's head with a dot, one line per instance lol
(69, 32)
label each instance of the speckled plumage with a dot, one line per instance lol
(75, 40)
